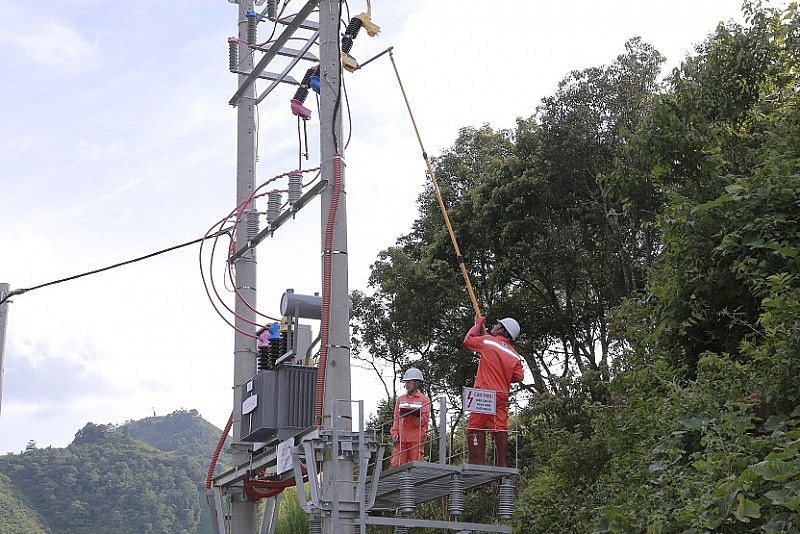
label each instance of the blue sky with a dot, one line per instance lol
(117, 140)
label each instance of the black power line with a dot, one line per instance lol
(14, 292)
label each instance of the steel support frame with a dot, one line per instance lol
(361, 445)
(273, 51)
(438, 523)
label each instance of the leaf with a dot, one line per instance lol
(784, 497)
(776, 470)
(734, 188)
(778, 524)
(700, 465)
(694, 423)
(746, 509)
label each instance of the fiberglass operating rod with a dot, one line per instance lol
(438, 193)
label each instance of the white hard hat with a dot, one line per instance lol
(511, 325)
(413, 374)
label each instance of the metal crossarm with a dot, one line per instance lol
(280, 219)
(291, 27)
(295, 59)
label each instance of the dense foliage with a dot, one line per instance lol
(646, 236)
(109, 481)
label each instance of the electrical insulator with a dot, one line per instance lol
(407, 503)
(233, 54)
(301, 94)
(252, 27)
(252, 224)
(361, 20)
(505, 502)
(272, 9)
(351, 33)
(314, 524)
(295, 188)
(456, 501)
(274, 348)
(273, 205)
(263, 351)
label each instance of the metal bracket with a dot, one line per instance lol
(282, 218)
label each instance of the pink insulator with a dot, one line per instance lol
(263, 340)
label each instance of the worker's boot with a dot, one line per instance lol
(501, 449)
(476, 442)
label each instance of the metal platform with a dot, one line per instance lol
(432, 481)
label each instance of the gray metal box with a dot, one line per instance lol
(279, 403)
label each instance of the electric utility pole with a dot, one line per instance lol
(244, 511)
(4, 291)
(338, 487)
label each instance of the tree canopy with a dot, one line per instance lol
(644, 233)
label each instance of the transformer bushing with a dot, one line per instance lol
(456, 502)
(407, 503)
(295, 188)
(273, 205)
(505, 502)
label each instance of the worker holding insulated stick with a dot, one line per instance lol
(499, 366)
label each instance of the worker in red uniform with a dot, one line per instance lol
(499, 366)
(412, 412)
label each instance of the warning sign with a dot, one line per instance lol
(284, 456)
(480, 400)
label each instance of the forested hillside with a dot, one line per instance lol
(643, 229)
(144, 476)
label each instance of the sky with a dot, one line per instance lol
(117, 140)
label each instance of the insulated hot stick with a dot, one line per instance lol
(438, 193)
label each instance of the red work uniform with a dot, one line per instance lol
(412, 412)
(499, 366)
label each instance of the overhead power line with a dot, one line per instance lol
(20, 291)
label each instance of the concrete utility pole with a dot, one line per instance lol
(3, 321)
(335, 472)
(244, 511)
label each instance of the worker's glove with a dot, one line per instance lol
(395, 439)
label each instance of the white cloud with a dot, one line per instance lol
(51, 44)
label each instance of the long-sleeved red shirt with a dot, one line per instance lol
(500, 364)
(412, 411)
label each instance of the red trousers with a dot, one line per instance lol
(403, 453)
